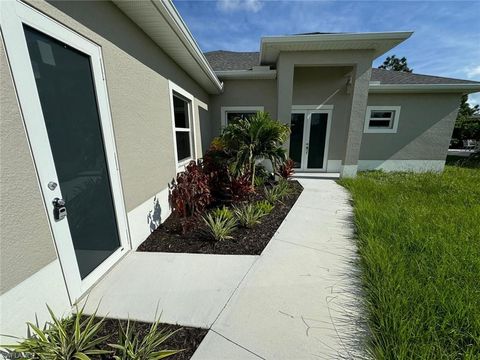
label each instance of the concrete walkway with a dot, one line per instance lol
(295, 301)
(299, 300)
(187, 289)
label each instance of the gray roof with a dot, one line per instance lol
(401, 77)
(231, 60)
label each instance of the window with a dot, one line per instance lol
(182, 109)
(382, 119)
(230, 114)
(233, 117)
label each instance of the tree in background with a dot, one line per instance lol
(395, 64)
(466, 126)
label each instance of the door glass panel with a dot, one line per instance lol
(67, 94)
(316, 143)
(296, 139)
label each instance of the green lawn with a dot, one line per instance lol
(419, 245)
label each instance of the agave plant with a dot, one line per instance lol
(249, 215)
(75, 337)
(255, 138)
(219, 227)
(130, 347)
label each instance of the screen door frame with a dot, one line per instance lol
(13, 15)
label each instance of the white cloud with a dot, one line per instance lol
(243, 5)
(474, 99)
(473, 71)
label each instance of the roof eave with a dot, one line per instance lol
(246, 74)
(424, 88)
(167, 12)
(388, 39)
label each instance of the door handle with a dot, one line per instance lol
(59, 209)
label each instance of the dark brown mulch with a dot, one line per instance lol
(167, 237)
(186, 338)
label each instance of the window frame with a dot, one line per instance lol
(368, 116)
(226, 109)
(175, 90)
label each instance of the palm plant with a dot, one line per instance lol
(255, 138)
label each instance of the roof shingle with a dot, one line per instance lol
(230, 60)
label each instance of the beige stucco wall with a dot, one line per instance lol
(360, 60)
(25, 241)
(326, 86)
(243, 93)
(137, 75)
(424, 129)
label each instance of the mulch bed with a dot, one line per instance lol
(187, 338)
(167, 237)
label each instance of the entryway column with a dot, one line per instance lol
(357, 119)
(285, 69)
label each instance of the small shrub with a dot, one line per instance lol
(222, 212)
(130, 347)
(255, 138)
(219, 228)
(278, 192)
(190, 191)
(262, 176)
(264, 206)
(283, 188)
(272, 195)
(249, 215)
(225, 185)
(285, 170)
(74, 337)
(241, 187)
(259, 181)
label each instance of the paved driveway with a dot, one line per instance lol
(299, 300)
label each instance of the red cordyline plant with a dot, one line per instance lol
(285, 170)
(241, 186)
(190, 192)
(224, 185)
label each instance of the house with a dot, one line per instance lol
(102, 103)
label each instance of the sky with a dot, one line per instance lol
(446, 39)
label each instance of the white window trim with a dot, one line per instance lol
(393, 130)
(225, 109)
(174, 88)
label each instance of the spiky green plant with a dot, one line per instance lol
(74, 337)
(219, 228)
(278, 192)
(264, 206)
(222, 212)
(249, 215)
(255, 138)
(283, 188)
(131, 347)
